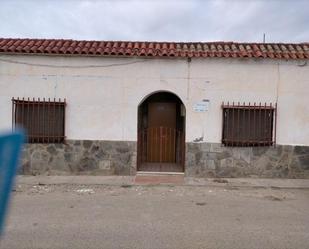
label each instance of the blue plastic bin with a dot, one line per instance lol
(10, 147)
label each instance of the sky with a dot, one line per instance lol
(157, 20)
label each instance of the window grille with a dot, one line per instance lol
(43, 120)
(249, 125)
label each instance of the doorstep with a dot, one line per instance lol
(155, 178)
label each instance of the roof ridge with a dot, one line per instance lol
(154, 41)
(223, 49)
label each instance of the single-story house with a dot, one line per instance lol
(205, 109)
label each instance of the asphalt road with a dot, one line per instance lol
(189, 217)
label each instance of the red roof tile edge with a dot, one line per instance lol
(156, 49)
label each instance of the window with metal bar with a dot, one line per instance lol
(249, 125)
(43, 120)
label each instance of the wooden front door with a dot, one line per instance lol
(161, 135)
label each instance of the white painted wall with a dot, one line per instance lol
(103, 93)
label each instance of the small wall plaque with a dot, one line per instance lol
(202, 106)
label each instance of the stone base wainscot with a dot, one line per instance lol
(76, 157)
(87, 157)
(216, 160)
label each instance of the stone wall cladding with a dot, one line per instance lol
(216, 160)
(80, 157)
(87, 157)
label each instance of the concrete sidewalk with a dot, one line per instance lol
(188, 181)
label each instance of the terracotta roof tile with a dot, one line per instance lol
(156, 49)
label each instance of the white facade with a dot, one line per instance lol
(103, 93)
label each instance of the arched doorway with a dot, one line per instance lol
(161, 133)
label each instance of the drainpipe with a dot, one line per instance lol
(278, 82)
(276, 104)
(188, 78)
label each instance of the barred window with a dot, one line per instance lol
(249, 125)
(43, 120)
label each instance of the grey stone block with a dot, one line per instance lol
(87, 144)
(304, 161)
(51, 149)
(301, 150)
(211, 164)
(215, 147)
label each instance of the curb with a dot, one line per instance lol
(188, 181)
